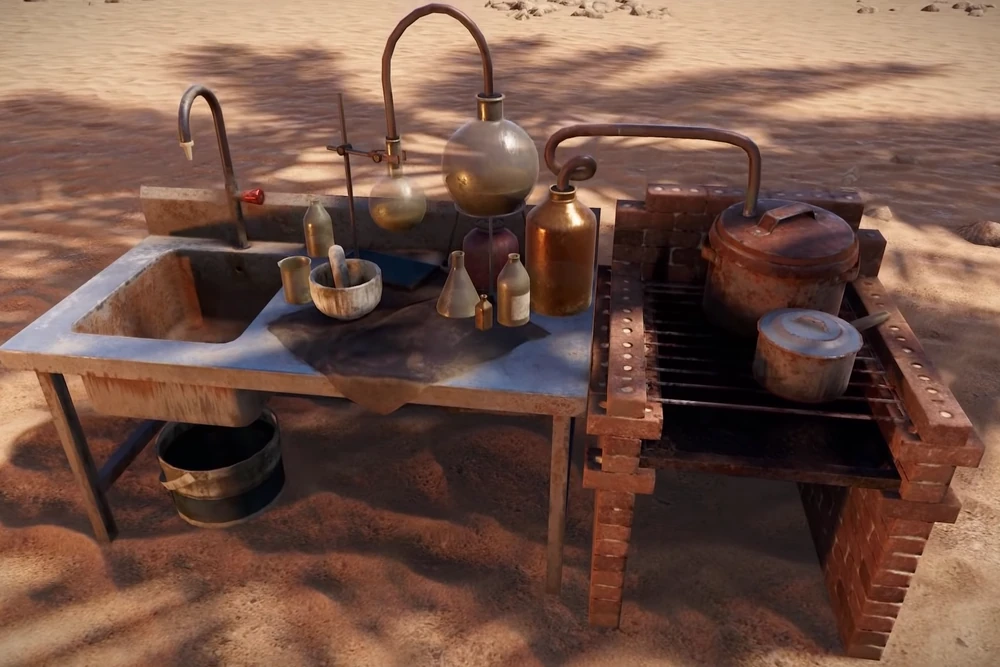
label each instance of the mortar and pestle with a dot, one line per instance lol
(346, 289)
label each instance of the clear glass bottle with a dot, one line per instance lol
(317, 226)
(459, 296)
(513, 293)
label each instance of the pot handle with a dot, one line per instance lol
(184, 480)
(869, 321)
(708, 254)
(851, 274)
(774, 217)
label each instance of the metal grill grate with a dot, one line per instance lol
(699, 366)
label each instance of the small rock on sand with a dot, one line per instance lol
(879, 212)
(866, 10)
(985, 233)
(904, 158)
(960, 5)
(976, 12)
(930, 8)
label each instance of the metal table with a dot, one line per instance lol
(544, 377)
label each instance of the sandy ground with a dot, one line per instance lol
(418, 539)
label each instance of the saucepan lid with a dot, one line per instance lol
(814, 333)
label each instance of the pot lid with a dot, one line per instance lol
(811, 333)
(788, 234)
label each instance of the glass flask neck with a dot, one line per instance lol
(489, 107)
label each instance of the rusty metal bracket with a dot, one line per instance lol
(377, 156)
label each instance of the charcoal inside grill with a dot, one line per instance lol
(783, 447)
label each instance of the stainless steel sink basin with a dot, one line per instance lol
(203, 296)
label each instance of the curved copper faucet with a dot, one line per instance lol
(391, 132)
(184, 135)
(581, 172)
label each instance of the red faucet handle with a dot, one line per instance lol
(255, 196)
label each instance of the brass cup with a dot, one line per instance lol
(295, 279)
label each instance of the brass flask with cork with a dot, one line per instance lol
(560, 243)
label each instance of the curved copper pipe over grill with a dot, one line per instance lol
(578, 168)
(664, 132)
(391, 131)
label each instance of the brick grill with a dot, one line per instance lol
(869, 521)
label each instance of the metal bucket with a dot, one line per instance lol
(220, 476)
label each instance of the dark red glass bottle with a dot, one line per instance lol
(476, 246)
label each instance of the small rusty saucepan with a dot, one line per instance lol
(807, 356)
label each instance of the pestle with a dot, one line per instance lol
(338, 266)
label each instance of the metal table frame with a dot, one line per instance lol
(94, 482)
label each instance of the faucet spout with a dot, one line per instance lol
(184, 136)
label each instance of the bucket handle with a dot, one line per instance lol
(184, 480)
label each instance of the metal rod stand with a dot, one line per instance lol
(347, 174)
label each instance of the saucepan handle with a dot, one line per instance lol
(774, 217)
(869, 321)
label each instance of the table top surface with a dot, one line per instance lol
(546, 376)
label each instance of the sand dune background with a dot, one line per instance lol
(418, 539)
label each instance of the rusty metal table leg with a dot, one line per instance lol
(75, 444)
(562, 447)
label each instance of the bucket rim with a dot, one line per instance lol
(170, 430)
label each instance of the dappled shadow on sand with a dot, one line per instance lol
(439, 514)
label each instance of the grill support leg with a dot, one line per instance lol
(613, 472)
(868, 560)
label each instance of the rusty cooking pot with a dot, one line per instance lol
(808, 356)
(785, 255)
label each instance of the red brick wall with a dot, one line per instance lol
(664, 233)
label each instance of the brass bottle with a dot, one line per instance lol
(458, 296)
(513, 293)
(484, 313)
(560, 245)
(317, 226)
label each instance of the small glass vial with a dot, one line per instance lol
(484, 313)
(317, 226)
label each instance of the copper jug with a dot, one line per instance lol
(560, 244)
